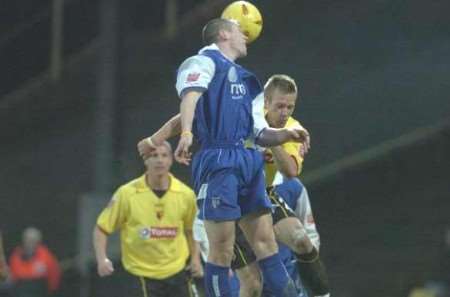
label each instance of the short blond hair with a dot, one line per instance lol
(282, 82)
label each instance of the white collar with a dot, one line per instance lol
(214, 47)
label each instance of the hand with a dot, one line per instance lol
(105, 267)
(302, 151)
(195, 267)
(182, 154)
(145, 147)
(300, 134)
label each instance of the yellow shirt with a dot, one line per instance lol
(152, 229)
(292, 148)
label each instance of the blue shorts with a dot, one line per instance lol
(229, 183)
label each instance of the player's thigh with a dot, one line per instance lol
(291, 232)
(258, 230)
(221, 239)
(250, 280)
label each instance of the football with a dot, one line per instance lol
(248, 17)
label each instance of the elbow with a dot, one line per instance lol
(291, 173)
(288, 172)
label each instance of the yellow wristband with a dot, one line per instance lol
(186, 133)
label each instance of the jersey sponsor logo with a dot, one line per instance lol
(237, 91)
(158, 232)
(192, 77)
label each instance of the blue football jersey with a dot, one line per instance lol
(225, 113)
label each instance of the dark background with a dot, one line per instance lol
(374, 85)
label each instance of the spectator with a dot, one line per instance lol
(34, 269)
(154, 214)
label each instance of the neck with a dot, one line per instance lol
(227, 51)
(158, 182)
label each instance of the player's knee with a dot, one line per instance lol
(221, 254)
(251, 285)
(301, 241)
(264, 246)
(251, 290)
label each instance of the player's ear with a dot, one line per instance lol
(223, 35)
(266, 101)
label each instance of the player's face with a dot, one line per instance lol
(160, 161)
(238, 41)
(279, 108)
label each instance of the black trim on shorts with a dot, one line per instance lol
(281, 208)
(243, 253)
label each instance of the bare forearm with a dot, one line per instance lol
(272, 137)
(171, 128)
(100, 240)
(194, 250)
(284, 162)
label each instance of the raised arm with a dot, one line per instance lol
(171, 128)
(266, 136)
(272, 136)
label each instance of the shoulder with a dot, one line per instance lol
(178, 186)
(197, 61)
(44, 251)
(130, 188)
(291, 122)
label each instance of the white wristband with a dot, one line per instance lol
(150, 142)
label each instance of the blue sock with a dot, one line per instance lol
(217, 281)
(276, 277)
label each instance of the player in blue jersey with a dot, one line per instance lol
(222, 105)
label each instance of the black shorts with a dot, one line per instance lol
(281, 208)
(243, 253)
(175, 285)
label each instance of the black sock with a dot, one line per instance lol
(313, 272)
